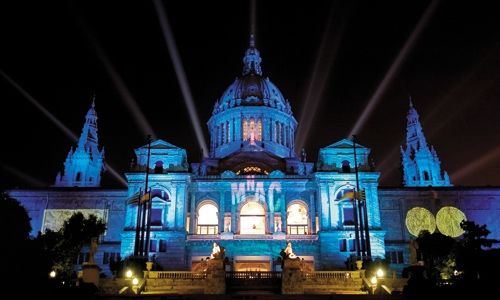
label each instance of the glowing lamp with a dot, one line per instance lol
(374, 280)
(380, 273)
(135, 281)
(52, 274)
(128, 274)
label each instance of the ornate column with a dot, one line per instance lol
(270, 204)
(192, 218)
(312, 213)
(221, 211)
(283, 212)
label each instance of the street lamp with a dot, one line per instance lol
(380, 273)
(135, 281)
(129, 274)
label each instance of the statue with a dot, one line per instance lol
(93, 250)
(288, 252)
(217, 251)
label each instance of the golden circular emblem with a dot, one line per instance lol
(448, 221)
(418, 219)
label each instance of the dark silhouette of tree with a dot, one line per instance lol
(471, 255)
(62, 247)
(15, 224)
(15, 228)
(435, 249)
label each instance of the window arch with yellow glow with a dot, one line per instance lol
(418, 219)
(207, 218)
(297, 219)
(252, 218)
(448, 221)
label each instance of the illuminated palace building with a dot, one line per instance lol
(253, 193)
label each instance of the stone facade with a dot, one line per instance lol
(252, 193)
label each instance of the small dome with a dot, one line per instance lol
(252, 89)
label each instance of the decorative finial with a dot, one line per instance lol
(93, 101)
(411, 101)
(252, 41)
(252, 60)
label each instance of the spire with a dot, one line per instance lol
(84, 165)
(251, 43)
(252, 60)
(421, 165)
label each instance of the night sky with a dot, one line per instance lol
(452, 72)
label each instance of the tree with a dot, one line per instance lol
(63, 246)
(471, 255)
(15, 224)
(15, 228)
(435, 249)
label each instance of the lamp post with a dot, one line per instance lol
(363, 209)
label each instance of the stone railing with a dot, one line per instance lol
(174, 275)
(336, 275)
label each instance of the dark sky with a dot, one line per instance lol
(452, 73)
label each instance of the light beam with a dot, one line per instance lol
(476, 164)
(120, 86)
(23, 176)
(322, 67)
(181, 75)
(253, 17)
(393, 70)
(37, 104)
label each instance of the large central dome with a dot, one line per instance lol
(252, 89)
(252, 115)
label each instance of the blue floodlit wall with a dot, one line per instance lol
(421, 165)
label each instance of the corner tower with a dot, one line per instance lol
(252, 115)
(421, 165)
(83, 166)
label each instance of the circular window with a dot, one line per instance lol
(448, 221)
(418, 219)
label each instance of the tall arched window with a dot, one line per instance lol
(78, 176)
(297, 219)
(245, 130)
(346, 209)
(208, 219)
(426, 175)
(252, 218)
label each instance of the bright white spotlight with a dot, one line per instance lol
(380, 273)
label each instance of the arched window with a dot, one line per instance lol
(297, 219)
(426, 175)
(78, 176)
(158, 167)
(252, 218)
(160, 194)
(245, 130)
(208, 219)
(346, 167)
